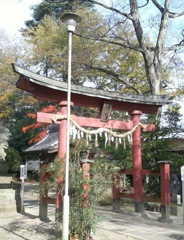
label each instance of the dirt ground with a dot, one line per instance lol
(119, 226)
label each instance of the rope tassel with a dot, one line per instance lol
(116, 143)
(96, 140)
(124, 143)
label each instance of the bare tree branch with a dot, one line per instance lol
(175, 47)
(174, 15)
(110, 41)
(161, 9)
(136, 21)
(161, 36)
(153, 79)
(147, 1)
(171, 14)
(152, 54)
(116, 76)
(111, 8)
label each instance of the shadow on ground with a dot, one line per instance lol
(29, 226)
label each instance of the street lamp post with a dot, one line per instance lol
(70, 20)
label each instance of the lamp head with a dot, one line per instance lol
(70, 20)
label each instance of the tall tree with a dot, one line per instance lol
(104, 65)
(135, 13)
(123, 28)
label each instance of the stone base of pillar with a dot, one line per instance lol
(139, 207)
(43, 207)
(165, 214)
(116, 205)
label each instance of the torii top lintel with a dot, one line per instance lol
(44, 88)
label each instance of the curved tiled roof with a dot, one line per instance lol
(45, 88)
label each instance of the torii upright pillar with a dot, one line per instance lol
(61, 157)
(137, 162)
(165, 191)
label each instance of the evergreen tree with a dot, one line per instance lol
(54, 10)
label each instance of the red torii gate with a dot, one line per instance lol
(112, 124)
(48, 89)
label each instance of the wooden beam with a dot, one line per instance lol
(145, 198)
(87, 122)
(143, 172)
(93, 122)
(128, 172)
(149, 172)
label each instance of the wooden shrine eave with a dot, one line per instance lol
(44, 88)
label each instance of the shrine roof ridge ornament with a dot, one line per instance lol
(35, 81)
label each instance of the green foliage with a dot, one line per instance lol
(121, 156)
(54, 9)
(82, 214)
(152, 186)
(49, 47)
(85, 193)
(158, 145)
(19, 140)
(104, 65)
(13, 159)
(84, 190)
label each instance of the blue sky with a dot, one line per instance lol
(13, 13)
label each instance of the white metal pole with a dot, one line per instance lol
(66, 199)
(22, 195)
(183, 199)
(182, 179)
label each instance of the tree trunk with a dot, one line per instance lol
(152, 59)
(153, 73)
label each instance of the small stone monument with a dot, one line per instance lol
(9, 191)
(4, 136)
